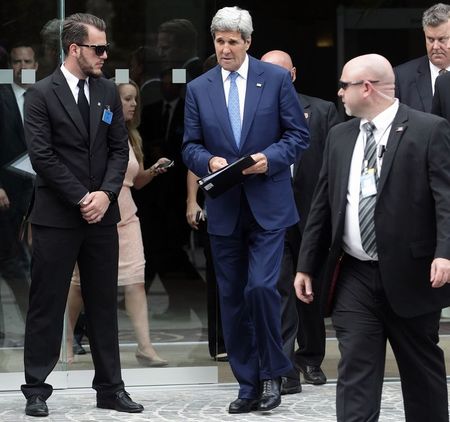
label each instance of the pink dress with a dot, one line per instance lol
(131, 250)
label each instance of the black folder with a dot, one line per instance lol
(220, 181)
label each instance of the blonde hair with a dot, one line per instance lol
(133, 124)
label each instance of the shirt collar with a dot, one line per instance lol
(71, 79)
(384, 119)
(18, 90)
(242, 71)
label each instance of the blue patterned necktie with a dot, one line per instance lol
(367, 204)
(233, 108)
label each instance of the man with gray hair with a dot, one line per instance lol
(414, 80)
(245, 107)
(383, 198)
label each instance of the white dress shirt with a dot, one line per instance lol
(72, 80)
(19, 93)
(241, 83)
(352, 235)
(434, 72)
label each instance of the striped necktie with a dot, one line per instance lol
(367, 204)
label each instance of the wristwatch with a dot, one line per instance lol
(111, 195)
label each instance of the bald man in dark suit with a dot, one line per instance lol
(300, 322)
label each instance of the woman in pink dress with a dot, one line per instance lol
(131, 251)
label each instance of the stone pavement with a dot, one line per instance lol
(194, 403)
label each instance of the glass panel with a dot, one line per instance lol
(162, 45)
(26, 55)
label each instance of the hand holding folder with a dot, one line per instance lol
(220, 181)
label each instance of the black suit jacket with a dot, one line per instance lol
(441, 98)
(412, 214)
(12, 144)
(321, 116)
(413, 84)
(68, 161)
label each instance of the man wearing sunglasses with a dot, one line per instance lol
(78, 146)
(383, 197)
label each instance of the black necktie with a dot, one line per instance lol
(83, 104)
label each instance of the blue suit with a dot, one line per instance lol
(248, 222)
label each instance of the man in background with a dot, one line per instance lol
(300, 321)
(15, 186)
(414, 80)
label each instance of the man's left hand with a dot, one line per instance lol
(260, 166)
(440, 272)
(94, 206)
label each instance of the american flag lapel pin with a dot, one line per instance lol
(399, 129)
(259, 85)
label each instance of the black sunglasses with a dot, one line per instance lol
(344, 85)
(99, 49)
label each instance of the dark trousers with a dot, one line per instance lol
(289, 317)
(364, 321)
(300, 322)
(55, 252)
(216, 343)
(247, 265)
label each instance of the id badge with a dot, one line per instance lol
(368, 184)
(107, 116)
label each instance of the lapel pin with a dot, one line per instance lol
(399, 129)
(99, 104)
(259, 85)
(306, 115)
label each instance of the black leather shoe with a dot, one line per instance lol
(312, 374)
(270, 395)
(290, 386)
(121, 402)
(36, 406)
(243, 405)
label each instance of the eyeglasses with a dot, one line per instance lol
(344, 85)
(99, 49)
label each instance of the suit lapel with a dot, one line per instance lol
(307, 113)
(65, 96)
(219, 105)
(96, 107)
(345, 149)
(255, 87)
(423, 81)
(399, 126)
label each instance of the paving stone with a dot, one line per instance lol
(196, 404)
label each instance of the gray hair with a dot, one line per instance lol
(232, 19)
(436, 15)
(75, 29)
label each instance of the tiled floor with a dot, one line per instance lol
(196, 403)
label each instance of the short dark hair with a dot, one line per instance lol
(75, 29)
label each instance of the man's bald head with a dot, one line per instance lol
(371, 67)
(282, 59)
(367, 86)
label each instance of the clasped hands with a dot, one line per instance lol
(93, 206)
